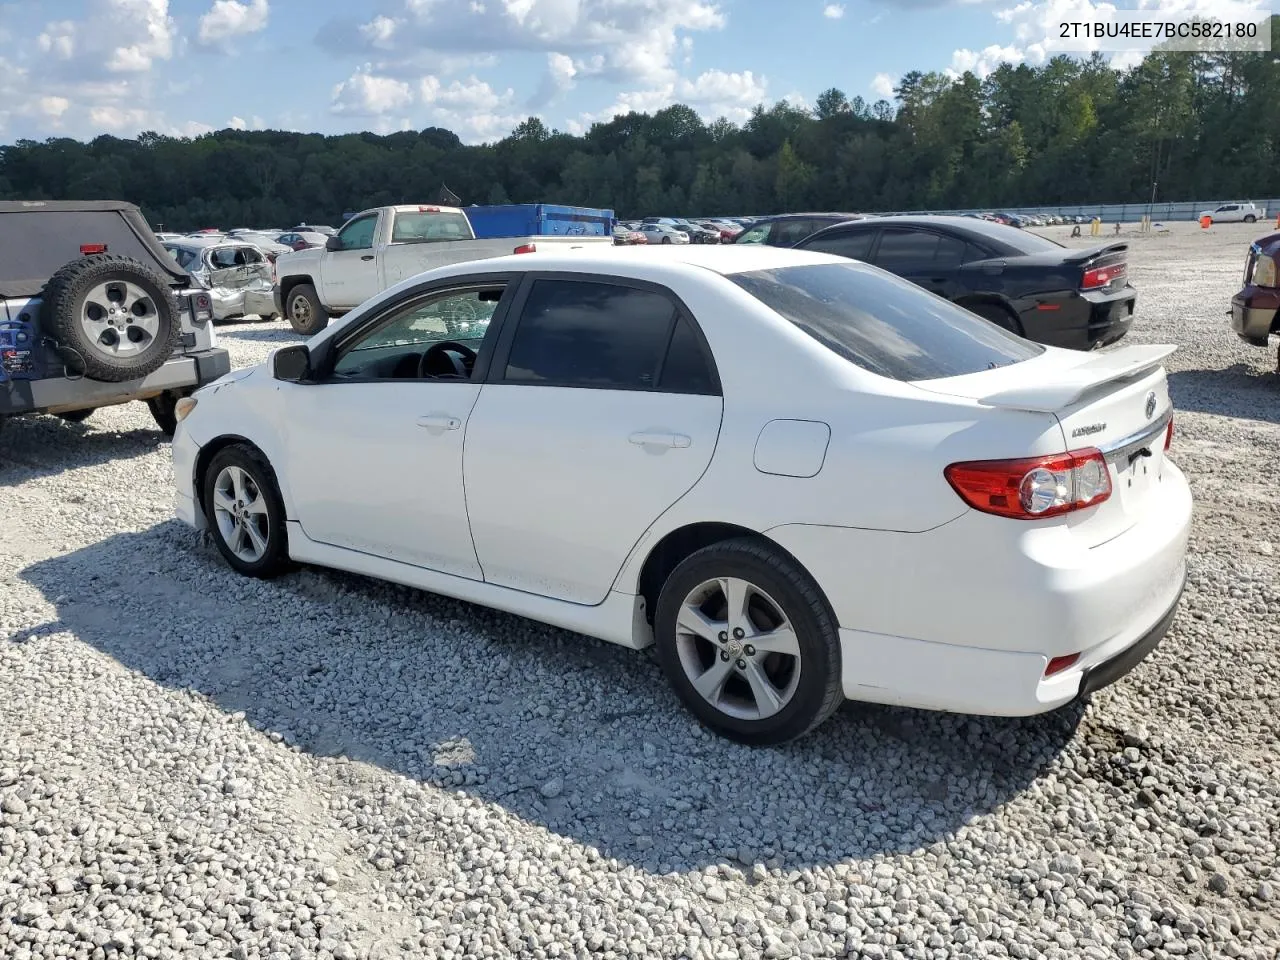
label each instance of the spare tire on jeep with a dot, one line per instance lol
(115, 317)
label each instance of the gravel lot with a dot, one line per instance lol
(196, 765)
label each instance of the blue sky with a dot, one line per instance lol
(183, 67)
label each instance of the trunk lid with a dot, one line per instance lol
(1117, 402)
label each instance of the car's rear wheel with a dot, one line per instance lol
(245, 512)
(750, 645)
(164, 410)
(1251, 219)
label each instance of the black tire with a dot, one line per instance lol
(274, 559)
(1251, 219)
(815, 693)
(76, 416)
(126, 348)
(306, 313)
(998, 315)
(666, 239)
(164, 410)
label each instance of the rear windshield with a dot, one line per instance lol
(417, 227)
(884, 324)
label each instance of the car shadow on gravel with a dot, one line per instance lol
(581, 737)
(38, 446)
(1241, 391)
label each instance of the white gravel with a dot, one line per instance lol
(197, 765)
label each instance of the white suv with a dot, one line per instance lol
(1247, 212)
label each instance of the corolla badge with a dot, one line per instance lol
(1088, 430)
(1151, 404)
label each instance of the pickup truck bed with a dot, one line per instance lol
(379, 248)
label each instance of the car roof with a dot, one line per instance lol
(996, 232)
(660, 264)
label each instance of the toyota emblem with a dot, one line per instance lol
(1151, 404)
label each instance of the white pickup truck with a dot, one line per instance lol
(378, 248)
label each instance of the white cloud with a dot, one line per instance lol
(983, 63)
(882, 85)
(229, 19)
(121, 36)
(713, 94)
(833, 11)
(632, 41)
(364, 94)
(52, 107)
(237, 123)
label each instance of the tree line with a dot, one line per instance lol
(1071, 131)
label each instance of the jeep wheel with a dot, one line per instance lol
(164, 410)
(306, 313)
(115, 317)
(1251, 219)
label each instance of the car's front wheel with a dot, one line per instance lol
(750, 645)
(245, 512)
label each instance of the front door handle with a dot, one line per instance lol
(656, 439)
(367, 257)
(439, 421)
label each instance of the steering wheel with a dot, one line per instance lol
(460, 359)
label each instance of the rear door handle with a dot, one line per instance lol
(646, 439)
(439, 421)
(367, 257)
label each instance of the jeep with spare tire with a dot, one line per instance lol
(95, 312)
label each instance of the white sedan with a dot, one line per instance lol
(803, 478)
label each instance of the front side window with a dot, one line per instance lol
(755, 235)
(393, 348)
(900, 249)
(581, 333)
(883, 323)
(358, 234)
(854, 244)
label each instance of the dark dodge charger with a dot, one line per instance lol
(1039, 289)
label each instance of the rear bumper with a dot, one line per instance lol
(61, 393)
(983, 682)
(1254, 313)
(1080, 321)
(967, 616)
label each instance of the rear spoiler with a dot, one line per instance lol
(1068, 386)
(1092, 253)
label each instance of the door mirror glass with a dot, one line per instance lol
(291, 364)
(333, 244)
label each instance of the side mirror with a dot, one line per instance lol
(291, 364)
(333, 244)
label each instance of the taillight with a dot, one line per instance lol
(88, 249)
(1168, 434)
(1033, 488)
(1101, 276)
(526, 248)
(1264, 272)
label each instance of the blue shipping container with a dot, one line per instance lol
(539, 220)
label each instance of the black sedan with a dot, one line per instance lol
(1039, 289)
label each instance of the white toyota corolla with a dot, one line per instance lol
(801, 477)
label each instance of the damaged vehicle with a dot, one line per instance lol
(238, 276)
(1255, 309)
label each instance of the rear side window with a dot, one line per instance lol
(883, 323)
(427, 226)
(687, 368)
(577, 333)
